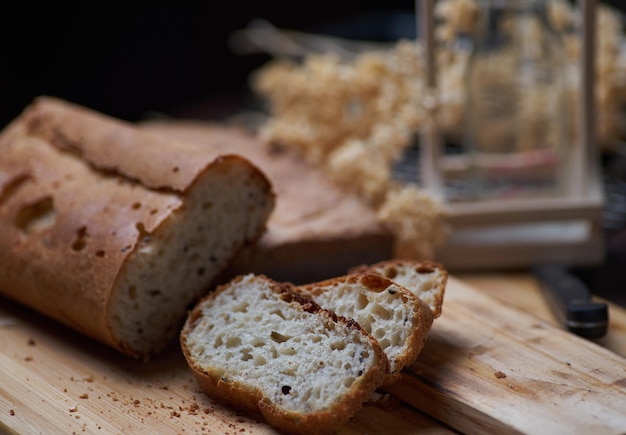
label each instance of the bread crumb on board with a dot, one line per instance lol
(500, 375)
(385, 401)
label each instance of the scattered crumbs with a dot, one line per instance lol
(174, 414)
(88, 379)
(193, 408)
(28, 358)
(568, 363)
(31, 342)
(207, 410)
(74, 409)
(11, 412)
(499, 375)
(84, 396)
(65, 390)
(136, 402)
(165, 387)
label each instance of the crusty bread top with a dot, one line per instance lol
(156, 161)
(260, 345)
(425, 279)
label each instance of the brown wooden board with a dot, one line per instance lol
(491, 367)
(487, 367)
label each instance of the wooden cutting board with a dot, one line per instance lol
(487, 367)
(491, 367)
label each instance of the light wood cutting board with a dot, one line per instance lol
(487, 367)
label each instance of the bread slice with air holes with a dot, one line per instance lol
(390, 313)
(425, 279)
(115, 231)
(261, 346)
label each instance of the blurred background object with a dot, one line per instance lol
(517, 129)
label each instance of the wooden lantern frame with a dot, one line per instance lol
(520, 232)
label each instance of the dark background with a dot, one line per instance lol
(135, 58)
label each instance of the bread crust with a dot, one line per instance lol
(251, 399)
(109, 144)
(103, 185)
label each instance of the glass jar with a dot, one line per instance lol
(517, 117)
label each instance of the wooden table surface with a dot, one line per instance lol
(100, 386)
(521, 290)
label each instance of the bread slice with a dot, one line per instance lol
(390, 313)
(425, 279)
(261, 346)
(115, 231)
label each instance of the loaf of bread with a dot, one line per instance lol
(425, 279)
(390, 313)
(115, 231)
(261, 346)
(317, 230)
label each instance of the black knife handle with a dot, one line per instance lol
(570, 299)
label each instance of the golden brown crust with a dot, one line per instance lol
(113, 145)
(77, 191)
(88, 208)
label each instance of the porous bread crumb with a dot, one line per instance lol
(425, 279)
(261, 346)
(387, 311)
(299, 360)
(196, 244)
